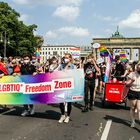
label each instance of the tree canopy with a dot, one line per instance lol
(21, 36)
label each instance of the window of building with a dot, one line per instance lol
(63, 48)
(57, 48)
(55, 53)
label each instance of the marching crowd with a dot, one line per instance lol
(94, 78)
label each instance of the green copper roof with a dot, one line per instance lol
(117, 34)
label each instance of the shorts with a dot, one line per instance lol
(96, 82)
(133, 95)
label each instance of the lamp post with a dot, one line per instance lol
(4, 39)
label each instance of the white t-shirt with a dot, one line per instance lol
(136, 84)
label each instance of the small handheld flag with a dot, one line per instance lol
(103, 51)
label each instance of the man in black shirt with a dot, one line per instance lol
(119, 69)
(27, 69)
(90, 69)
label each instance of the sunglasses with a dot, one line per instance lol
(26, 59)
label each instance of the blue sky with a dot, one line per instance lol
(78, 21)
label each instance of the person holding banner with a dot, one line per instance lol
(16, 67)
(90, 69)
(66, 107)
(3, 72)
(134, 94)
(27, 69)
(54, 65)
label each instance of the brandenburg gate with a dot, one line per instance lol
(117, 41)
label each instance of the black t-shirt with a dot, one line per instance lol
(27, 69)
(90, 72)
(119, 69)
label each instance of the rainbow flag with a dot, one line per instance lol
(103, 51)
(107, 72)
(123, 57)
(37, 54)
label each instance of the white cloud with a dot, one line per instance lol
(67, 12)
(97, 36)
(35, 33)
(24, 18)
(51, 34)
(132, 21)
(100, 17)
(105, 18)
(21, 2)
(74, 31)
(108, 31)
(48, 2)
(66, 32)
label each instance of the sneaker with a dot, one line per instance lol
(91, 108)
(62, 119)
(133, 124)
(25, 113)
(85, 109)
(67, 119)
(136, 111)
(32, 111)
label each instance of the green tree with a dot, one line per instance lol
(22, 39)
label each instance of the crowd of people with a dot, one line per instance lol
(94, 78)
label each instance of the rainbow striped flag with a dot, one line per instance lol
(37, 54)
(123, 57)
(103, 51)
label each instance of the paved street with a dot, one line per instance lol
(83, 126)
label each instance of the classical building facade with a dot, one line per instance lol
(48, 51)
(117, 41)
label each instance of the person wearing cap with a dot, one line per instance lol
(90, 70)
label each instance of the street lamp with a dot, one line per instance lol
(5, 40)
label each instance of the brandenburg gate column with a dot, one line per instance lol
(96, 51)
(131, 54)
(139, 55)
